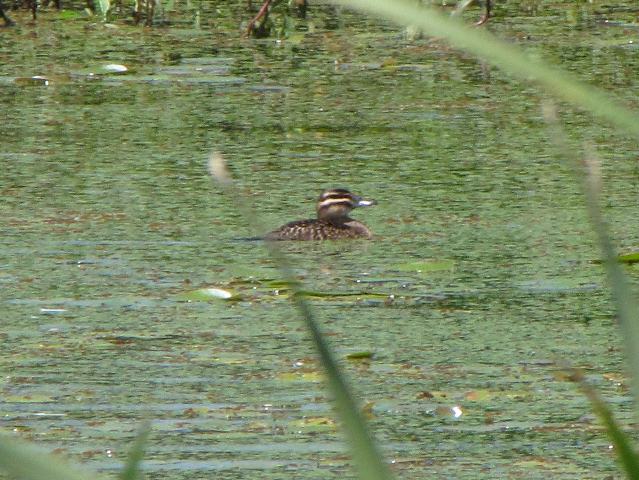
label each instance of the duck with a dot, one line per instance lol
(332, 222)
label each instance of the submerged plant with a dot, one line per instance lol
(263, 23)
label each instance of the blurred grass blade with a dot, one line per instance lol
(621, 442)
(590, 176)
(102, 8)
(367, 459)
(625, 304)
(511, 59)
(26, 462)
(131, 470)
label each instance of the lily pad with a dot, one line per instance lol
(360, 355)
(34, 81)
(629, 258)
(311, 376)
(208, 294)
(30, 398)
(426, 266)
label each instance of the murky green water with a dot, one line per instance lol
(480, 279)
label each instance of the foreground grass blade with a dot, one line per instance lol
(131, 470)
(367, 460)
(627, 311)
(625, 304)
(26, 462)
(102, 8)
(511, 59)
(621, 442)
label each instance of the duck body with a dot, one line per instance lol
(332, 222)
(315, 229)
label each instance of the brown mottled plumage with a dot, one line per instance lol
(332, 222)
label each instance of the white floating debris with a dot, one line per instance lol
(40, 78)
(115, 68)
(52, 310)
(217, 293)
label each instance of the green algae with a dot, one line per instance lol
(108, 218)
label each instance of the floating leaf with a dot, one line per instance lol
(360, 355)
(278, 284)
(31, 398)
(208, 294)
(629, 258)
(102, 70)
(115, 68)
(556, 285)
(316, 422)
(426, 266)
(301, 376)
(34, 81)
(479, 395)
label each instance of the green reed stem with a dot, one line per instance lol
(26, 462)
(589, 175)
(131, 470)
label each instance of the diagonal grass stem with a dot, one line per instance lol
(367, 459)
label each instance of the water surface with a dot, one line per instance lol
(481, 279)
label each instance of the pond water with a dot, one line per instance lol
(480, 282)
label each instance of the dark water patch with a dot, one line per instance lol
(67, 305)
(219, 465)
(225, 61)
(269, 89)
(192, 69)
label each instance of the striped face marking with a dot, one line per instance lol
(342, 201)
